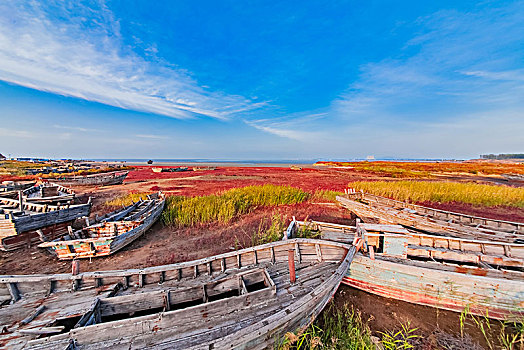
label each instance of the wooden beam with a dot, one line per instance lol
(13, 290)
(33, 315)
(319, 252)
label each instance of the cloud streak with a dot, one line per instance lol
(461, 63)
(78, 51)
(294, 127)
(76, 128)
(152, 137)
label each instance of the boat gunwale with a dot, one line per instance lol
(330, 284)
(163, 268)
(413, 234)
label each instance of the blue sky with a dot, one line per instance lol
(261, 79)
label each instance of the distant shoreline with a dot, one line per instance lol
(305, 163)
(218, 164)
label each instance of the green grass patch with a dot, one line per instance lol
(222, 207)
(420, 191)
(336, 329)
(127, 199)
(325, 195)
(270, 230)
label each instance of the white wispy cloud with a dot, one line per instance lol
(77, 50)
(13, 133)
(510, 75)
(76, 128)
(154, 137)
(296, 127)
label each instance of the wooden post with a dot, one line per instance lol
(41, 235)
(21, 201)
(291, 263)
(75, 267)
(13, 291)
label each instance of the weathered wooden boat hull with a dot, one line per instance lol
(99, 247)
(32, 238)
(129, 237)
(464, 219)
(513, 177)
(405, 267)
(390, 215)
(253, 319)
(102, 179)
(20, 225)
(498, 298)
(49, 193)
(14, 188)
(431, 247)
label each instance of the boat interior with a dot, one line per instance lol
(224, 293)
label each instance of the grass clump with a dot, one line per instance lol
(127, 199)
(420, 191)
(325, 195)
(337, 328)
(399, 340)
(222, 207)
(18, 168)
(510, 334)
(270, 230)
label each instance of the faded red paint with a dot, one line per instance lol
(471, 271)
(29, 238)
(422, 299)
(291, 262)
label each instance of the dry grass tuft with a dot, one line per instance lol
(222, 207)
(419, 191)
(127, 199)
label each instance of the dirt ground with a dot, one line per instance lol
(436, 329)
(163, 245)
(167, 245)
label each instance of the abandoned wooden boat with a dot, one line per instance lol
(101, 179)
(449, 216)
(10, 189)
(430, 247)
(49, 193)
(204, 168)
(513, 177)
(156, 170)
(371, 211)
(22, 224)
(245, 299)
(112, 233)
(442, 272)
(8, 186)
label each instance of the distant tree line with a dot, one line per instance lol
(503, 156)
